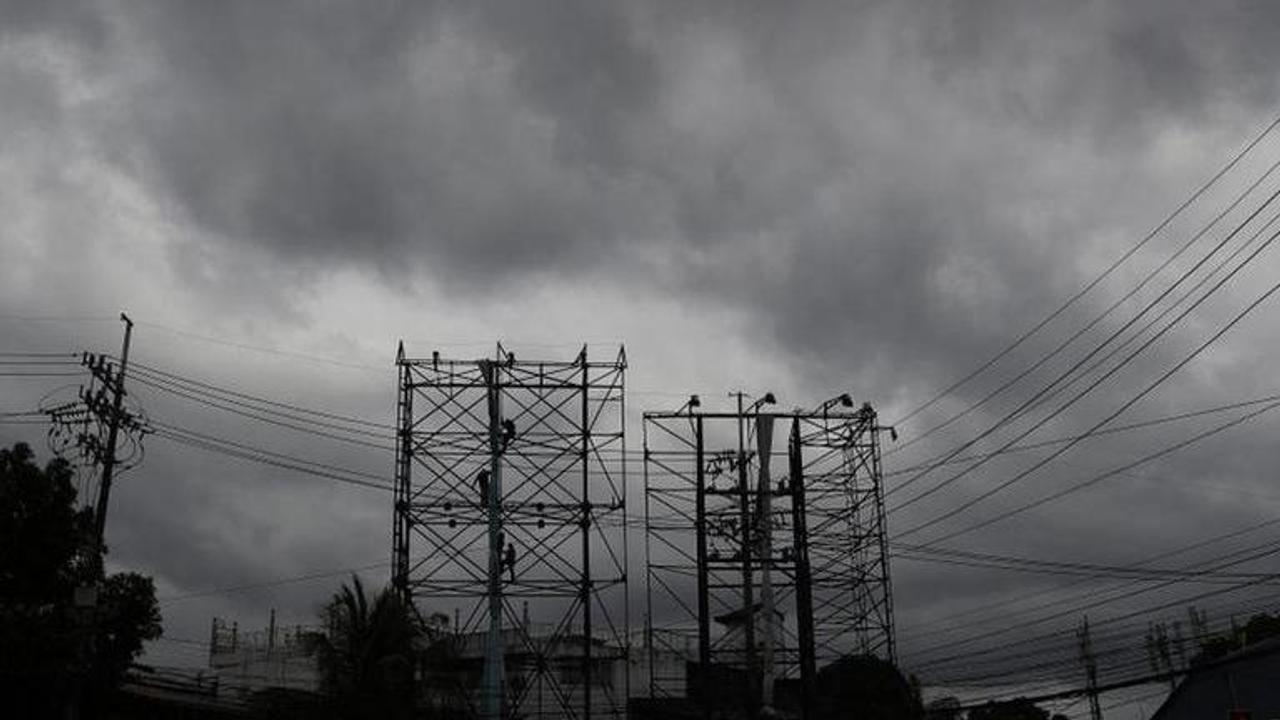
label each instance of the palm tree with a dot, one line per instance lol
(366, 657)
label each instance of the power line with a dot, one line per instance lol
(1163, 314)
(1115, 305)
(1099, 278)
(262, 415)
(1144, 612)
(1146, 679)
(1128, 404)
(220, 390)
(970, 558)
(1012, 415)
(1022, 447)
(1109, 474)
(267, 457)
(1092, 599)
(1003, 615)
(270, 583)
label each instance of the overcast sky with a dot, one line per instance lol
(806, 198)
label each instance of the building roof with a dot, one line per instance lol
(1245, 680)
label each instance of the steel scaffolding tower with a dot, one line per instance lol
(848, 542)
(769, 562)
(510, 504)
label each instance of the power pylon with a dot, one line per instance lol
(788, 550)
(511, 503)
(1090, 663)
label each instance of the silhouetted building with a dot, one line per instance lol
(245, 662)
(1244, 681)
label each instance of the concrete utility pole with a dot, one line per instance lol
(116, 384)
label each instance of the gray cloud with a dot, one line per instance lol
(883, 193)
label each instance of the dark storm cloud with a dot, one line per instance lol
(886, 191)
(476, 141)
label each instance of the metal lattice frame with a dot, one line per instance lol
(550, 439)
(708, 554)
(848, 542)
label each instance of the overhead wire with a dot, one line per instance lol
(278, 582)
(220, 390)
(1155, 320)
(1017, 412)
(271, 458)
(1085, 484)
(1115, 265)
(1235, 320)
(1097, 319)
(355, 437)
(1097, 382)
(968, 655)
(1095, 598)
(1002, 615)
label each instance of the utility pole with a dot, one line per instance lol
(705, 691)
(746, 545)
(1090, 669)
(111, 412)
(804, 581)
(116, 384)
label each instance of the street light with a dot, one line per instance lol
(693, 402)
(768, 399)
(843, 400)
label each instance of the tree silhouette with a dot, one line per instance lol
(53, 650)
(366, 656)
(1016, 709)
(867, 688)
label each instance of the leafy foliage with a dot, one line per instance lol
(1016, 709)
(867, 688)
(366, 657)
(1259, 627)
(47, 552)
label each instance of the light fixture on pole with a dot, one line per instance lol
(693, 402)
(843, 400)
(767, 399)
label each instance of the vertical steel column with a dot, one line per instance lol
(764, 452)
(704, 607)
(626, 534)
(748, 592)
(585, 590)
(494, 652)
(404, 470)
(804, 589)
(648, 563)
(882, 530)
